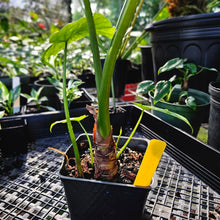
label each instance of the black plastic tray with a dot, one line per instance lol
(188, 187)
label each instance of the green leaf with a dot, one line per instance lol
(161, 90)
(2, 113)
(33, 93)
(77, 119)
(166, 111)
(48, 108)
(34, 16)
(25, 95)
(76, 31)
(206, 68)
(42, 99)
(4, 23)
(79, 29)
(15, 93)
(145, 86)
(182, 94)
(191, 102)
(175, 63)
(191, 67)
(3, 91)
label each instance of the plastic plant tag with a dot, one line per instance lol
(16, 105)
(150, 162)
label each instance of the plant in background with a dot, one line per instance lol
(164, 88)
(72, 89)
(186, 7)
(36, 99)
(189, 7)
(8, 97)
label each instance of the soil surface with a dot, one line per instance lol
(128, 162)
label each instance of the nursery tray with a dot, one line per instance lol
(188, 173)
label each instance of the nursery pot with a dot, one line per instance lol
(13, 137)
(195, 117)
(50, 92)
(214, 115)
(124, 72)
(196, 37)
(88, 78)
(95, 199)
(147, 72)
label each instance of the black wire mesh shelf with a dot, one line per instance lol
(34, 190)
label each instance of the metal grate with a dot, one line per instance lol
(34, 190)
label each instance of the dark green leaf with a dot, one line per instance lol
(175, 63)
(191, 67)
(161, 90)
(15, 93)
(4, 23)
(191, 102)
(145, 86)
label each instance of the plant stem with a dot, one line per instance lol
(94, 44)
(131, 135)
(132, 26)
(69, 125)
(113, 52)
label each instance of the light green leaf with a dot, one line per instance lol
(76, 31)
(3, 90)
(77, 119)
(33, 15)
(79, 29)
(166, 111)
(2, 113)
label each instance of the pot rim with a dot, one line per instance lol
(152, 185)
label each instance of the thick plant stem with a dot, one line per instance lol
(104, 93)
(69, 125)
(94, 44)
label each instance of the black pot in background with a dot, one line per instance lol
(50, 92)
(214, 115)
(125, 72)
(93, 199)
(88, 78)
(13, 137)
(196, 37)
(147, 72)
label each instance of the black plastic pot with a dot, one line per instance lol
(196, 37)
(13, 137)
(214, 115)
(195, 117)
(147, 72)
(92, 199)
(88, 78)
(124, 72)
(50, 92)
